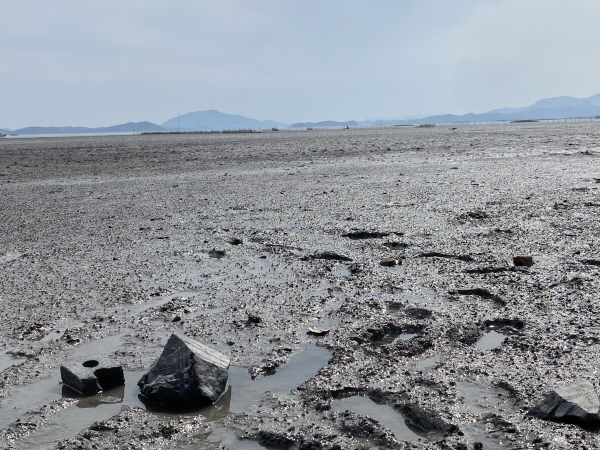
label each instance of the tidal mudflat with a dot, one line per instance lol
(108, 244)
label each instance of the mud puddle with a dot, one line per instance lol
(490, 340)
(341, 271)
(84, 412)
(7, 360)
(384, 414)
(480, 401)
(391, 339)
(429, 362)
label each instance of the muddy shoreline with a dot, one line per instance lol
(242, 242)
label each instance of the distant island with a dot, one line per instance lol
(213, 120)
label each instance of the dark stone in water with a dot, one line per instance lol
(92, 376)
(576, 403)
(187, 375)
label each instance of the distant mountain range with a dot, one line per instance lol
(549, 108)
(131, 127)
(214, 120)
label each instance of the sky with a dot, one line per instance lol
(91, 63)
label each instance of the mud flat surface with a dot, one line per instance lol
(243, 242)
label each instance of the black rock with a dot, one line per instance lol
(92, 376)
(389, 262)
(523, 261)
(186, 375)
(576, 402)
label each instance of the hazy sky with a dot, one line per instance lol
(92, 63)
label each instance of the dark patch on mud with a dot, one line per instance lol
(467, 334)
(465, 258)
(479, 292)
(356, 235)
(327, 256)
(377, 334)
(425, 421)
(477, 215)
(591, 262)
(418, 313)
(217, 254)
(396, 245)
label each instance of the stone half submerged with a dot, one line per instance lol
(187, 375)
(575, 403)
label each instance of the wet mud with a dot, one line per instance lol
(246, 243)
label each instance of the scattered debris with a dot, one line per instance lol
(92, 376)
(187, 375)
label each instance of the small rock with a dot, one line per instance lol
(253, 319)
(523, 261)
(389, 262)
(216, 253)
(187, 374)
(576, 402)
(92, 376)
(315, 331)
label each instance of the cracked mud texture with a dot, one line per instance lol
(109, 244)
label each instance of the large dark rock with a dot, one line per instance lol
(91, 376)
(186, 375)
(576, 402)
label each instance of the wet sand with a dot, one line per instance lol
(108, 244)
